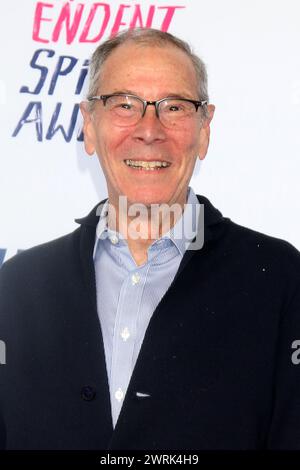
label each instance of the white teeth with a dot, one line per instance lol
(139, 164)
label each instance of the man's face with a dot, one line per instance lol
(151, 73)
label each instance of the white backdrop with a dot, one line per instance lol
(251, 49)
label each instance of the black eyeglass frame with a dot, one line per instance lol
(146, 103)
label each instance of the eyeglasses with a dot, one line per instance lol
(126, 110)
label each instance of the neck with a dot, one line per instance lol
(141, 225)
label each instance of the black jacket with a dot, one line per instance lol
(216, 359)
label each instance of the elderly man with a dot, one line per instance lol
(126, 335)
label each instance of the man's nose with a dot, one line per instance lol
(149, 128)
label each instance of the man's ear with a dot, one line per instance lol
(205, 132)
(88, 128)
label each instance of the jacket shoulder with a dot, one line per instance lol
(249, 235)
(250, 244)
(30, 262)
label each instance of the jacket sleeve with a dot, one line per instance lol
(3, 340)
(2, 432)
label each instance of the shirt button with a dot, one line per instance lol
(135, 279)
(119, 395)
(88, 393)
(114, 239)
(125, 334)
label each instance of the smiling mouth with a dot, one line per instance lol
(146, 165)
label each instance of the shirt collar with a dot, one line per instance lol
(181, 234)
(185, 228)
(101, 226)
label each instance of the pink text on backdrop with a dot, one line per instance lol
(71, 17)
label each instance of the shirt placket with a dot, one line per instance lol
(124, 337)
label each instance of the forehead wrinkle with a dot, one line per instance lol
(149, 69)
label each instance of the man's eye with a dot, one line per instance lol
(174, 108)
(125, 106)
(122, 107)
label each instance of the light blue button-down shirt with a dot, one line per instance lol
(128, 294)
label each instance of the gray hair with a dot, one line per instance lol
(146, 37)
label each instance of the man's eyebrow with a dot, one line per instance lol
(165, 95)
(124, 90)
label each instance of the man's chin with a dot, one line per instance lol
(146, 201)
(142, 195)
